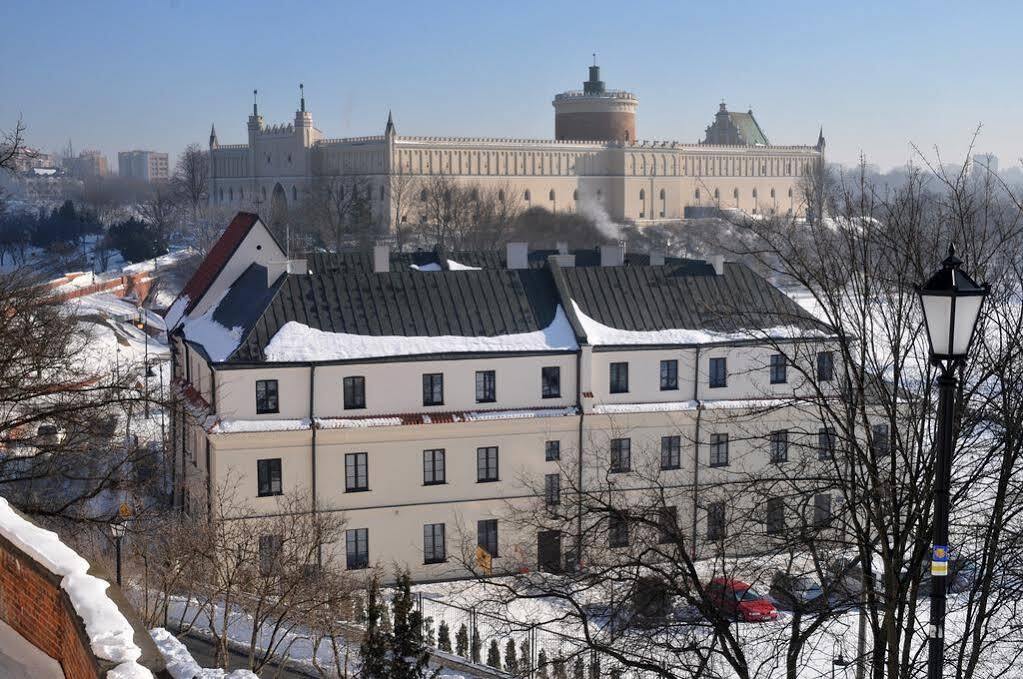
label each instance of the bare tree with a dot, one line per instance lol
(12, 146)
(191, 179)
(337, 211)
(160, 207)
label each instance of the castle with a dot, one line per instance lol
(594, 162)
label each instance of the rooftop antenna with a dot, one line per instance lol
(594, 58)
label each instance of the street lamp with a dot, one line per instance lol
(117, 530)
(951, 303)
(149, 370)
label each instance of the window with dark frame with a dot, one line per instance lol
(356, 472)
(621, 455)
(354, 392)
(357, 548)
(669, 375)
(434, 468)
(550, 377)
(486, 464)
(552, 489)
(619, 378)
(826, 443)
(716, 521)
(433, 389)
(617, 530)
(486, 386)
(779, 446)
(552, 451)
(434, 545)
(821, 509)
(779, 367)
(268, 475)
(671, 452)
(825, 366)
(667, 525)
(486, 535)
(719, 450)
(266, 397)
(775, 516)
(718, 373)
(269, 553)
(880, 441)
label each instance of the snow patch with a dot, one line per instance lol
(298, 342)
(673, 406)
(180, 663)
(458, 266)
(230, 426)
(432, 266)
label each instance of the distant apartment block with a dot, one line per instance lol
(87, 164)
(984, 163)
(148, 166)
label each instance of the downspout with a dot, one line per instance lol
(579, 471)
(209, 455)
(696, 449)
(312, 431)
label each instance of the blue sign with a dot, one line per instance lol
(939, 561)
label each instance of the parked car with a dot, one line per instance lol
(962, 573)
(796, 592)
(737, 599)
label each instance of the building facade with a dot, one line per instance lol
(595, 162)
(148, 166)
(425, 400)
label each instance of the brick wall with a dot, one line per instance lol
(32, 602)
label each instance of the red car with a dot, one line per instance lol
(736, 599)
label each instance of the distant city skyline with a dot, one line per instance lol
(877, 78)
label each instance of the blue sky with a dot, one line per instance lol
(877, 75)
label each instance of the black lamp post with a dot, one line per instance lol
(117, 530)
(951, 302)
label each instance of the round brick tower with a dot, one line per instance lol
(595, 113)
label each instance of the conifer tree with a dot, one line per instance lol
(595, 668)
(511, 661)
(477, 646)
(410, 658)
(444, 637)
(579, 671)
(462, 642)
(560, 668)
(375, 642)
(494, 655)
(541, 664)
(525, 659)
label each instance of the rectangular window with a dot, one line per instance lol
(618, 531)
(434, 471)
(825, 443)
(621, 455)
(718, 372)
(552, 489)
(669, 375)
(779, 446)
(268, 474)
(775, 515)
(269, 553)
(879, 440)
(433, 389)
(719, 450)
(486, 386)
(551, 379)
(357, 548)
(667, 525)
(354, 393)
(716, 521)
(434, 547)
(266, 397)
(778, 369)
(671, 452)
(486, 464)
(486, 535)
(825, 366)
(356, 472)
(552, 451)
(821, 509)
(619, 378)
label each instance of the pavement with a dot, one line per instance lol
(204, 653)
(21, 660)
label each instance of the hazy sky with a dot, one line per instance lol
(876, 75)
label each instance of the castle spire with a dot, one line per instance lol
(820, 138)
(255, 109)
(389, 129)
(301, 90)
(213, 135)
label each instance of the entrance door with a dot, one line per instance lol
(548, 550)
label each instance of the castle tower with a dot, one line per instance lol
(595, 113)
(304, 128)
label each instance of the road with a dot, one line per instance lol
(204, 654)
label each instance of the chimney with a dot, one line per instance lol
(656, 258)
(381, 258)
(562, 247)
(564, 261)
(612, 255)
(718, 262)
(518, 255)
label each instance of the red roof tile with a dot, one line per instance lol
(217, 258)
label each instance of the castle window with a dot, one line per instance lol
(526, 195)
(642, 194)
(221, 195)
(550, 196)
(241, 194)
(294, 193)
(790, 192)
(230, 194)
(697, 194)
(575, 195)
(381, 193)
(422, 195)
(268, 159)
(264, 193)
(662, 194)
(626, 135)
(772, 193)
(289, 159)
(475, 194)
(754, 193)
(717, 194)
(500, 195)
(735, 194)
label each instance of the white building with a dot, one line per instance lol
(424, 395)
(595, 158)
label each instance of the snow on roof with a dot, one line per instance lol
(110, 634)
(672, 406)
(458, 266)
(599, 334)
(296, 342)
(176, 311)
(218, 342)
(233, 426)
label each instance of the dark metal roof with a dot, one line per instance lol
(687, 295)
(482, 303)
